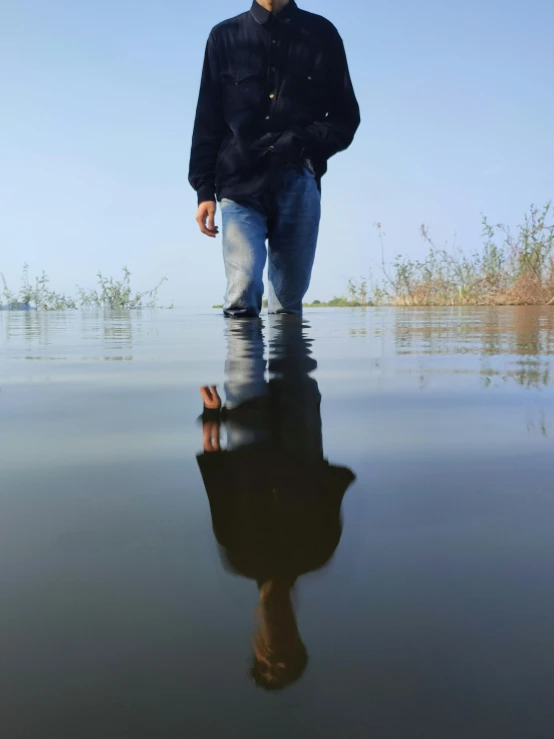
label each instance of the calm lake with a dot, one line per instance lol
(355, 538)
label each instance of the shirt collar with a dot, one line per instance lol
(262, 16)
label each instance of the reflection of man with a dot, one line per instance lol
(275, 501)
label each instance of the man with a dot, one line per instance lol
(276, 102)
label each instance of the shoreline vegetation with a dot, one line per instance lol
(511, 268)
(109, 294)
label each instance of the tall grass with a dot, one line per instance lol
(108, 294)
(512, 268)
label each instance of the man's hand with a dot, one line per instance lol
(211, 428)
(206, 212)
(287, 146)
(211, 441)
(211, 398)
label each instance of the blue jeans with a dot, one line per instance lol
(287, 216)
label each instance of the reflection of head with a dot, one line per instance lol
(280, 657)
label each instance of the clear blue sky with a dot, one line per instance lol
(97, 102)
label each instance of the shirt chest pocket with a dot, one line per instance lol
(242, 88)
(306, 86)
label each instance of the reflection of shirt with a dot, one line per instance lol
(276, 501)
(274, 513)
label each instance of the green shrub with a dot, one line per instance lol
(109, 294)
(511, 268)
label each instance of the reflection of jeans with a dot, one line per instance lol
(245, 365)
(287, 402)
(295, 396)
(288, 217)
(244, 375)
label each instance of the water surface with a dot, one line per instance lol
(354, 539)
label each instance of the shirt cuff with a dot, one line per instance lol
(205, 193)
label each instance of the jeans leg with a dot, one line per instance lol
(244, 255)
(293, 240)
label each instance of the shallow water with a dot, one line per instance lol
(366, 523)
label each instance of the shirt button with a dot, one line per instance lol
(309, 78)
(272, 95)
(267, 117)
(274, 41)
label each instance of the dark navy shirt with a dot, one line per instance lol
(275, 90)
